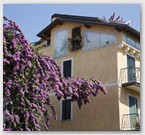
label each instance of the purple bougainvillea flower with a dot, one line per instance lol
(28, 78)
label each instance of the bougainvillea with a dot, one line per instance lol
(28, 79)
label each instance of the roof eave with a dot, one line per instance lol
(124, 27)
(47, 28)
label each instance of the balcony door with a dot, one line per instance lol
(133, 110)
(131, 69)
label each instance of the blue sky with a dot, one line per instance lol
(32, 18)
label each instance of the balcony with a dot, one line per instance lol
(130, 78)
(131, 122)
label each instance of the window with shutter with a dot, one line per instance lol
(66, 109)
(66, 104)
(67, 67)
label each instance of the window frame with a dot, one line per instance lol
(71, 65)
(138, 105)
(67, 97)
(126, 55)
(61, 110)
(138, 102)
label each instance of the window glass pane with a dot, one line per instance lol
(66, 109)
(131, 68)
(67, 68)
(132, 104)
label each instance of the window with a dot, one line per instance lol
(133, 105)
(76, 39)
(133, 111)
(66, 109)
(67, 68)
(131, 69)
(66, 104)
(48, 42)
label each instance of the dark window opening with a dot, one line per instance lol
(66, 109)
(76, 32)
(67, 67)
(76, 38)
(48, 42)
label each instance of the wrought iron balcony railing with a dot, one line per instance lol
(131, 121)
(130, 74)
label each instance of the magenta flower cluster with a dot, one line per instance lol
(28, 79)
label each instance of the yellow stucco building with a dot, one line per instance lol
(85, 47)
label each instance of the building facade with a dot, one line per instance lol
(85, 47)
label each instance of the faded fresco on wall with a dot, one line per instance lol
(97, 39)
(60, 43)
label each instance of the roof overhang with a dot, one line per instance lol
(46, 31)
(120, 27)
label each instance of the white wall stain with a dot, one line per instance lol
(94, 39)
(60, 43)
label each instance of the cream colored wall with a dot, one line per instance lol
(100, 114)
(69, 26)
(106, 56)
(123, 102)
(123, 93)
(88, 63)
(122, 60)
(92, 59)
(103, 111)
